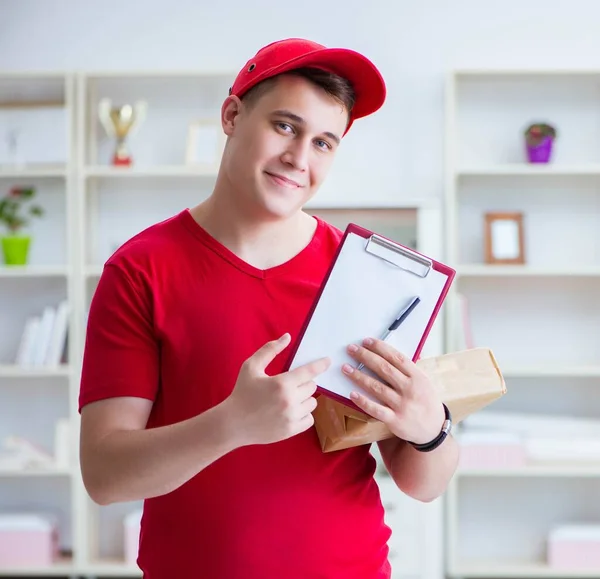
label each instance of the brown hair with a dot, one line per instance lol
(336, 86)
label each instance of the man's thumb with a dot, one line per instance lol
(264, 355)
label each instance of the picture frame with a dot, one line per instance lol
(504, 239)
(205, 143)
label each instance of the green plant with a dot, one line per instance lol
(17, 209)
(537, 132)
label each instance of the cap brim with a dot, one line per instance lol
(364, 76)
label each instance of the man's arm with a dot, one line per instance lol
(421, 475)
(121, 461)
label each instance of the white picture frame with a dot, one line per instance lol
(205, 143)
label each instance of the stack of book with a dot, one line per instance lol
(44, 338)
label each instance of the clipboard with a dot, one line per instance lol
(370, 281)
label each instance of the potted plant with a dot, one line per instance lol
(539, 138)
(16, 211)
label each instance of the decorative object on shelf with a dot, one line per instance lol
(205, 143)
(504, 243)
(539, 140)
(16, 210)
(120, 122)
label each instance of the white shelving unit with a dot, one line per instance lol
(541, 319)
(41, 106)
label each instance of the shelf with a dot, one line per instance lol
(14, 371)
(525, 169)
(546, 470)
(547, 371)
(64, 566)
(141, 172)
(525, 569)
(34, 271)
(526, 271)
(526, 72)
(37, 473)
(27, 104)
(33, 171)
(113, 568)
(161, 75)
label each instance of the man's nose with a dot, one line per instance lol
(297, 154)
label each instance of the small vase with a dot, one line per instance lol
(540, 153)
(16, 249)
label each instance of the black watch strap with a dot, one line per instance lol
(433, 444)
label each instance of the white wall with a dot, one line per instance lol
(398, 152)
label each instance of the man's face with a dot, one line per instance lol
(281, 148)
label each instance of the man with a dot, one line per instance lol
(185, 401)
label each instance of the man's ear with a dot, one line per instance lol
(231, 109)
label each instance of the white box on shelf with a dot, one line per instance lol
(131, 524)
(574, 546)
(491, 449)
(27, 539)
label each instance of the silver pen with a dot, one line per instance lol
(396, 323)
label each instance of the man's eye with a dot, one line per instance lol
(284, 126)
(323, 144)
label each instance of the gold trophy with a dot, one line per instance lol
(119, 122)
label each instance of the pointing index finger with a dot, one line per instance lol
(309, 371)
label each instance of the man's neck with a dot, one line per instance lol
(261, 243)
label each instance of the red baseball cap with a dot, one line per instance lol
(286, 55)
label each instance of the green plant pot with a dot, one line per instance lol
(16, 249)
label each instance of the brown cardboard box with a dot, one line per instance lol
(466, 382)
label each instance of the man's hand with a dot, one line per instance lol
(406, 400)
(266, 409)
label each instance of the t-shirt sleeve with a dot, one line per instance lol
(121, 352)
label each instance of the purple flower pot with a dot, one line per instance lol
(540, 153)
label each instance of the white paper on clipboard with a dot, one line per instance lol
(363, 295)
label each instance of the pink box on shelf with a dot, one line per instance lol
(27, 540)
(491, 449)
(131, 528)
(574, 546)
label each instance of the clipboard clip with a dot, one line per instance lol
(399, 256)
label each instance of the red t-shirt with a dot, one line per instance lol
(173, 318)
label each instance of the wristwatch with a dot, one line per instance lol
(433, 444)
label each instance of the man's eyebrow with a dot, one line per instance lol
(299, 120)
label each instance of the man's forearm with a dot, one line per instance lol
(421, 475)
(140, 464)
